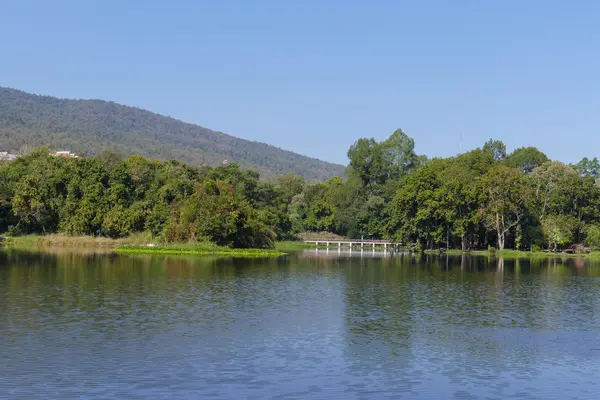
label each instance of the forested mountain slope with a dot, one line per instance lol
(89, 127)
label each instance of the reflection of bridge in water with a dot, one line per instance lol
(385, 244)
(332, 253)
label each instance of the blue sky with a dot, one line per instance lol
(314, 76)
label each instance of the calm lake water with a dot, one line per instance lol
(310, 325)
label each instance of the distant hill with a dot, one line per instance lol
(89, 127)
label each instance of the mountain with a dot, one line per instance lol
(89, 127)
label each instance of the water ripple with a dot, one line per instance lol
(305, 326)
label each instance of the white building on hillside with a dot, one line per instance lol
(6, 156)
(65, 154)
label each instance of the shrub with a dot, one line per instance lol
(592, 236)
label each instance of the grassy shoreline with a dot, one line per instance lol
(198, 249)
(73, 241)
(293, 245)
(140, 244)
(143, 244)
(515, 254)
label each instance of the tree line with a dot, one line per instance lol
(475, 200)
(479, 199)
(113, 197)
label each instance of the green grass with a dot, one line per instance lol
(516, 254)
(30, 240)
(293, 245)
(133, 245)
(199, 249)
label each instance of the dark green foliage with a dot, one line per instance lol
(105, 196)
(91, 127)
(374, 173)
(417, 207)
(377, 163)
(526, 159)
(504, 194)
(477, 200)
(217, 212)
(592, 236)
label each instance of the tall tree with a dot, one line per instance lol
(496, 148)
(416, 215)
(462, 194)
(505, 192)
(376, 163)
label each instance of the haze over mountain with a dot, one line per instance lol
(89, 127)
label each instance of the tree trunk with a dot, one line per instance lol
(463, 242)
(499, 231)
(501, 240)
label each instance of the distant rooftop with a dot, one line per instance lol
(65, 153)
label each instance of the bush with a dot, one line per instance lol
(592, 236)
(14, 230)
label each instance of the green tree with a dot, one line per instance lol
(290, 186)
(526, 159)
(496, 148)
(376, 163)
(415, 210)
(552, 183)
(559, 230)
(40, 192)
(592, 236)
(505, 192)
(461, 195)
(216, 212)
(588, 168)
(6, 215)
(85, 204)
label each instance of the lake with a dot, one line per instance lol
(315, 324)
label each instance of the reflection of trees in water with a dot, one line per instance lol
(470, 316)
(141, 293)
(379, 316)
(112, 291)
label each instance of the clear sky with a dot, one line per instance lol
(313, 76)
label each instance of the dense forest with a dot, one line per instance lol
(90, 127)
(478, 199)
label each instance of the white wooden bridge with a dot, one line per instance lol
(385, 244)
